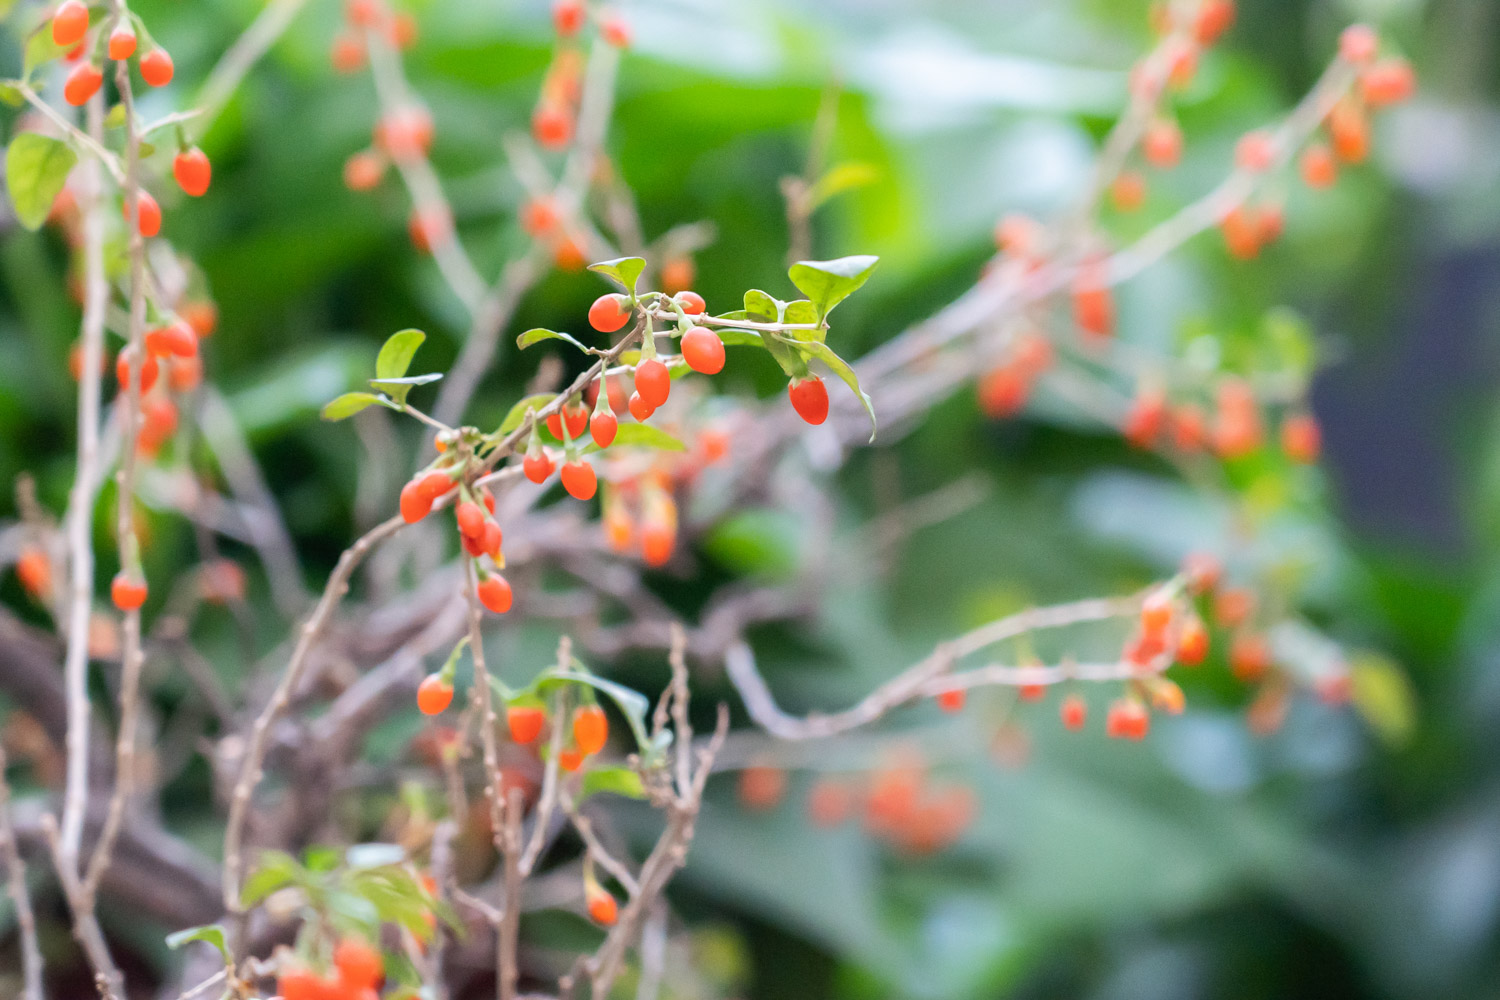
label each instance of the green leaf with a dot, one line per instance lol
(839, 178)
(539, 334)
(277, 869)
(212, 933)
(348, 405)
(740, 338)
(115, 117)
(625, 270)
(633, 705)
(614, 780)
(396, 353)
(12, 95)
(841, 368)
(36, 168)
(642, 436)
(526, 405)
(397, 388)
(40, 48)
(829, 282)
(1383, 695)
(761, 307)
(804, 312)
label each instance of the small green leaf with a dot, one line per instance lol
(841, 368)
(115, 117)
(396, 353)
(829, 282)
(397, 388)
(539, 334)
(348, 405)
(36, 168)
(277, 869)
(803, 312)
(740, 338)
(761, 307)
(614, 780)
(841, 177)
(11, 94)
(1383, 695)
(625, 270)
(526, 405)
(641, 436)
(40, 48)
(212, 933)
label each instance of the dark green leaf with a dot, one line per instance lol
(625, 270)
(348, 405)
(396, 353)
(36, 168)
(829, 282)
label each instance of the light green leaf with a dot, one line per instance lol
(12, 95)
(36, 168)
(625, 270)
(397, 388)
(526, 405)
(614, 780)
(212, 933)
(841, 368)
(348, 405)
(839, 178)
(761, 307)
(115, 117)
(641, 436)
(277, 869)
(40, 48)
(1383, 695)
(396, 353)
(633, 705)
(829, 282)
(539, 334)
(803, 312)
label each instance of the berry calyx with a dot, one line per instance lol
(121, 43)
(809, 398)
(127, 591)
(653, 382)
(1074, 712)
(703, 350)
(579, 479)
(148, 214)
(156, 68)
(82, 83)
(603, 908)
(590, 729)
(952, 700)
(495, 594)
(602, 428)
(434, 695)
(525, 722)
(192, 171)
(70, 23)
(609, 313)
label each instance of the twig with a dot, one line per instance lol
(31, 954)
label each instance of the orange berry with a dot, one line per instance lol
(537, 465)
(1192, 644)
(829, 803)
(363, 170)
(603, 426)
(34, 571)
(1349, 128)
(692, 303)
(1249, 657)
(590, 729)
(1319, 168)
(121, 43)
(552, 126)
(1202, 571)
(1128, 720)
(1128, 192)
(1233, 606)
(609, 313)
(615, 31)
(603, 908)
(347, 53)
(1301, 438)
(1162, 144)
(1074, 712)
(495, 594)
(525, 722)
(434, 695)
(574, 416)
(1389, 81)
(677, 274)
(657, 543)
(70, 22)
(952, 699)
(570, 759)
(156, 68)
(1156, 614)
(359, 965)
(149, 370)
(127, 591)
(148, 214)
(192, 171)
(82, 83)
(579, 479)
(567, 17)
(173, 339)
(1255, 152)
(1359, 44)
(703, 350)
(653, 382)
(761, 787)
(1003, 391)
(1093, 305)
(809, 398)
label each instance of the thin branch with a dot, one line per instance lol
(31, 954)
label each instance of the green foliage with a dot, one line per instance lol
(36, 168)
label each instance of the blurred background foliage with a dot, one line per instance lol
(1333, 859)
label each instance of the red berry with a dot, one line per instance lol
(470, 517)
(192, 170)
(692, 303)
(615, 31)
(590, 729)
(1127, 719)
(1233, 606)
(576, 418)
(495, 594)
(703, 350)
(415, 505)
(579, 480)
(677, 274)
(603, 908)
(1147, 416)
(127, 591)
(653, 382)
(1128, 192)
(1162, 144)
(1074, 712)
(603, 427)
(539, 217)
(1156, 614)
(1255, 152)
(1214, 18)
(570, 759)
(809, 398)
(156, 68)
(762, 787)
(70, 23)
(1093, 305)
(1301, 439)
(347, 53)
(1349, 128)
(363, 170)
(158, 423)
(1249, 657)
(1389, 81)
(82, 84)
(148, 212)
(434, 695)
(1319, 168)
(360, 966)
(537, 465)
(953, 699)
(34, 571)
(149, 372)
(552, 126)
(567, 17)
(525, 722)
(1192, 644)
(435, 484)
(640, 409)
(1359, 44)
(121, 43)
(1032, 692)
(175, 338)
(1003, 392)
(300, 984)
(657, 542)
(609, 313)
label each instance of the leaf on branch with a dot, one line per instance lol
(839, 178)
(40, 48)
(518, 412)
(396, 353)
(641, 436)
(829, 282)
(842, 369)
(115, 117)
(632, 704)
(211, 933)
(277, 869)
(625, 270)
(36, 168)
(802, 312)
(615, 781)
(762, 307)
(539, 334)
(397, 388)
(348, 405)
(11, 94)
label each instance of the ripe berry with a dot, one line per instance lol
(692, 303)
(1162, 144)
(158, 423)
(570, 759)
(470, 517)
(127, 591)
(148, 214)
(363, 170)
(149, 370)
(495, 593)
(434, 695)
(192, 170)
(300, 984)
(1147, 416)
(1192, 644)
(579, 480)
(1255, 152)
(1349, 128)
(1233, 606)
(1202, 571)
(590, 729)
(568, 256)
(1156, 614)
(640, 409)
(70, 23)
(402, 30)
(829, 803)
(121, 43)
(1319, 168)
(539, 217)
(537, 465)
(491, 540)
(404, 134)
(1238, 430)
(1127, 719)
(185, 374)
(602, 428)
(1032, 692)
(360, 966)
(653, 382)
(1128, 192)
(703, 350)
(1249, 657)
(567, 17)
(435, 484)
(575, 416)
(603, 908)
(429, 228)
(82, 84)
(952, 700)
(609, 313)
(1003, 392)
(347, 54)
(156, 68)
(1301, 439)
(35, 572)
(175, 338)
(552, 126)
(1189, 428)
(761, 787)
(809, 398)
(525, 722)
(1358, 44)
(657, 542)
(1214, 18)
(1390, 81)
(1093, 306)
(1074, 712)
(615, 31)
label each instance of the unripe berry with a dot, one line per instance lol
(70, 23)
(603, 908)
(127, 591)
(148, 214)
(809, 398)
(579, 480)
(156, 68)
(952, 700)
(653, 382)
(495, 594)
(121, 43)
(82, 84)
(703, 350)
(525, 722)
(609, 313)
(434, 695)
(1074, 712)
(603, 426)
(590, 729)
(193, 171)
